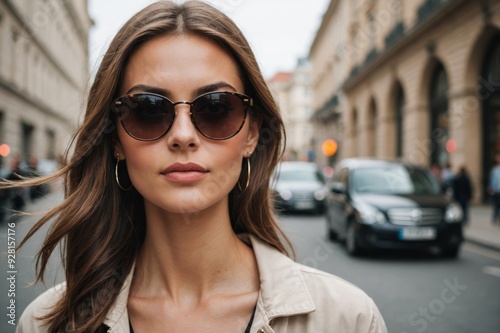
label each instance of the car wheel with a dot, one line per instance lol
(350, 241)
(450, 252)
(332, 235)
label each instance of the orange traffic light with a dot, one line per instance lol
(4, 150)
(451, 146)
(329, 147)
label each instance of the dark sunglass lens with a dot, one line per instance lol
(218, 115)
(145, 116)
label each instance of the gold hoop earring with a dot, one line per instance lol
(248, 176)
(116, 175)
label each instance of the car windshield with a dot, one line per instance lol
(394, 180)
(299, 175)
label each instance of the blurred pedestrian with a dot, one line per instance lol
(4, 203)
(17, 194)
(33, 166)
(462, 191)
(494, 188)
(36, 191)
(170, 212)
(438, 173)
(447, 175)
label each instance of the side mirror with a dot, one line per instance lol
(338, 188)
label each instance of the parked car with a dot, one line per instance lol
(299, 187)
(392, 205)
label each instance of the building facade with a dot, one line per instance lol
(329, 70)
(421, 81)
(292, 91)
(43, 75)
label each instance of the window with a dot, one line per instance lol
(1, 38)
(372, 129)
(394, 180)
(354, 133)
(51, 143)
(399, 120)
(489, 91)
(26, 141)
(439, 116)
(372, 30)
(14, 53)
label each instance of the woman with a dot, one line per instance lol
(462, 191)
(167, 220)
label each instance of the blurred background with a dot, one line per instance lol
(409, 83)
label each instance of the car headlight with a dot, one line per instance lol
(453, 213)
(319, 195)
(285, 195)
(369, 215)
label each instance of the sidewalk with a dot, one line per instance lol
(480, 229)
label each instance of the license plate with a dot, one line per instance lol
(304, 205)
(417, 233)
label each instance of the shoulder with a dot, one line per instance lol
(341, 303)
(28, 322)
(317, 278)
(305, 299)
(331, 289)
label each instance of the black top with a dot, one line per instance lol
(247, 330)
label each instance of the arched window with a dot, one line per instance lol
(398, 119)
(489, 88)
(2, 55)
(372, 127)
(439, 116)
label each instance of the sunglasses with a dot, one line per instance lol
(216, 115)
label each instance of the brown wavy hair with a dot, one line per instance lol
(100, 226)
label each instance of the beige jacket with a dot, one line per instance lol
(293, 298)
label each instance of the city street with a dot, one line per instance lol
(415, 292)
(24, 263)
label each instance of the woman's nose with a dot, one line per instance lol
(183, 135)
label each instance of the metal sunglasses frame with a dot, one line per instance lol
(246, 101)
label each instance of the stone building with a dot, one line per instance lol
(329, 70)
(419, 80)
(43, 75)
(293, 94)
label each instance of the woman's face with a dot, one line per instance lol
(183, 171)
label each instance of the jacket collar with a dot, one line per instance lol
(283, 291)
(117, 318)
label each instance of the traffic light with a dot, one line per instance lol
(4, 150)
(329, 147)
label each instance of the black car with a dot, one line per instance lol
(299, 187)
(391, 205)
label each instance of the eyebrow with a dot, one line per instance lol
(197, 92)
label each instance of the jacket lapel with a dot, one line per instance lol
(283, 291)
(117, 319)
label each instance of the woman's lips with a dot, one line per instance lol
(184, 172)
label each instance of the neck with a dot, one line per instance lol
(188, 258)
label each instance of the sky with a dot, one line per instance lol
(279, 31)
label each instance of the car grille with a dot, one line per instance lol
(302, 195)
(414, 216)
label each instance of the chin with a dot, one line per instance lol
(186, 206)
